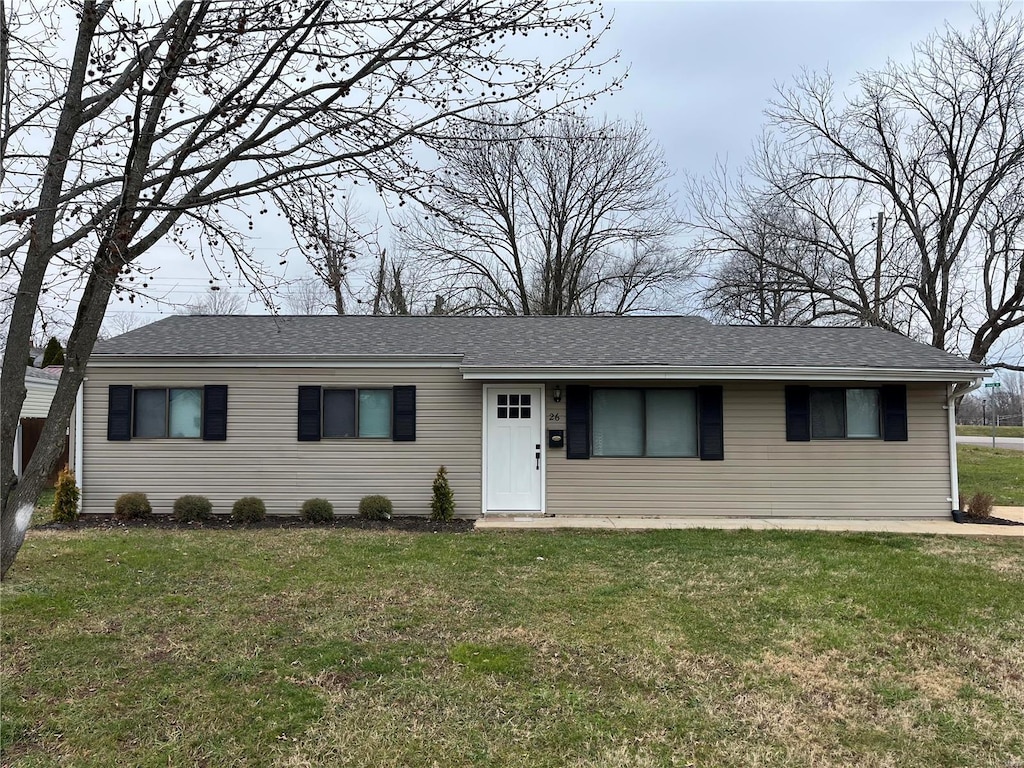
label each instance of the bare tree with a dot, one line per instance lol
(749, 288)
(308, 296)
(1002, 405)
(7, 294)
(937, 146)
(119, 322)
(162, 122)
(332, 233)
(400, 285)
(216, 301)
(571, 217)
(389, 295)
(794, 256)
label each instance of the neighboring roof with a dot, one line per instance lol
(49, 375)
(532, 342)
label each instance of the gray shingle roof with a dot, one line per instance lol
(525, 342)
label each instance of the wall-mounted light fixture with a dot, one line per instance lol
(557, 394)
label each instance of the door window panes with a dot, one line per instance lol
(513, 406)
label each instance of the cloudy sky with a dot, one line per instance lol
(701, 73)
(700, 76)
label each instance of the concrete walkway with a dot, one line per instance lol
(941, 527)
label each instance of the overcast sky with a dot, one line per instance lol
(700, 76)
(701, 73)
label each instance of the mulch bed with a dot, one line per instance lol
(990, 520)
(223, 522)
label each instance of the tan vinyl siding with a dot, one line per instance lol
(37, 400)
(262, 456)
(762, 475)
(765, 476)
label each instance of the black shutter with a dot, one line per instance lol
(119, 412)
(712, 441)
(215, 412)
(894, 412)
(798, 414)
(403, 414)
(309, 414)
(577, 422)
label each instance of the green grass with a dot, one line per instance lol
(307, 647)
(967, 430)
(999, 471)
(43, 512)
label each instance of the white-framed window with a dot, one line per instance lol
(168, 412)
(644, 422)
(845, 413)
(356, 413)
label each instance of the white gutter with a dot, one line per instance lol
(954, 468)
(718, 373)
(46, 383)
(79, 440)
(551, 372)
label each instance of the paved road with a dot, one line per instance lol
(1013, 443)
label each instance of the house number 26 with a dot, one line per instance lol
(554, 417)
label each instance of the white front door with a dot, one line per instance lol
(514, 455)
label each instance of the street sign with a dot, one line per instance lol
(993, 384)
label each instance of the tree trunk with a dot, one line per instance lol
(18, 500)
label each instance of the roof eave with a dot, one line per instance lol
(276, 361)
(719, 373)
(548, 373)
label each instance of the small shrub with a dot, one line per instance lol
(65, 498)
(980, 504)
(442, 506)
(249, 509)
(132, 506)
(375, 507)
(317, 511)
(192, 509)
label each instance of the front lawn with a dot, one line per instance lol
(43, 512)
(999, 471)
(306, 647)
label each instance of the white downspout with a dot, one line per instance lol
(954, 469)
(17, 451)
(79, 441)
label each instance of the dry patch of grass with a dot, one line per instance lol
(1001, 560)
(836, 708)
(688, 648)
